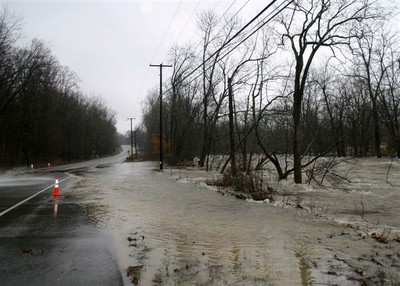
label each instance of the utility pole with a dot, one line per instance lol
(161, 133)
(134, 133)
(131, 118)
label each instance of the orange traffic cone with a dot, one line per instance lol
(56, 192)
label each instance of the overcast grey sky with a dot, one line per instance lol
(110, 44)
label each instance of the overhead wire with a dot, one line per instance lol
(222, 17)
(261, 24)
(234, 15)
(258, 27)
(230, 20)
(236, 35)
(215, 7)
(212, 11)
(148, 68)
(159, 46)
(166, 32)
(187, 22)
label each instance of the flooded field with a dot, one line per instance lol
(171, 228)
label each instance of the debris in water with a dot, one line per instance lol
(376, 261)
(134, 273)
(27, 251)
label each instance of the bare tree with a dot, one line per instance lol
(245, 69)
(213, 98)
(184, 106)
(369, 55)
(389, 94)
(207, 24)
(307, 26)
(332, 88)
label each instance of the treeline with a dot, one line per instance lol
(44, 117)
(319, 78)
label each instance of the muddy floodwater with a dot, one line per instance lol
(170, 228)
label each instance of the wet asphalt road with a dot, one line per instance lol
(48, 240)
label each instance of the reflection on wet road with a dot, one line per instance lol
(15, 191)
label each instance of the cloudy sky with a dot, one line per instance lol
(110, 44)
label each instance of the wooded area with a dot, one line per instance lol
(44, 117)
(311, 78)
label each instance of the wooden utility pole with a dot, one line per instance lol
(134, 133)
(161, 133)
(131, 118)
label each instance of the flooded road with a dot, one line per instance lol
(167, 231)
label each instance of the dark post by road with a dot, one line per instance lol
(131, 118)
(135, 144)
(161, 137)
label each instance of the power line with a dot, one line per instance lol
(215, 7)
(159, 46)
(212, 11)
(230, 6)
(187, 22)
(236, 35)
(166, 32)
(230, 20)
(258, 27)
(233, 37)
(198, 3)
(234, 15)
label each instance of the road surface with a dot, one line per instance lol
(46, 240)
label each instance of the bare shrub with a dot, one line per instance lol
(252, 183)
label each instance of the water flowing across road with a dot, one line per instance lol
(171, 232)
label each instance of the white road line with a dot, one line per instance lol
(27, 199)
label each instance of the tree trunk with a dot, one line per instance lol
(398, 146)
(297, 139)
(297, 102)
(231, 130)
(204, 149)
(377, 132)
